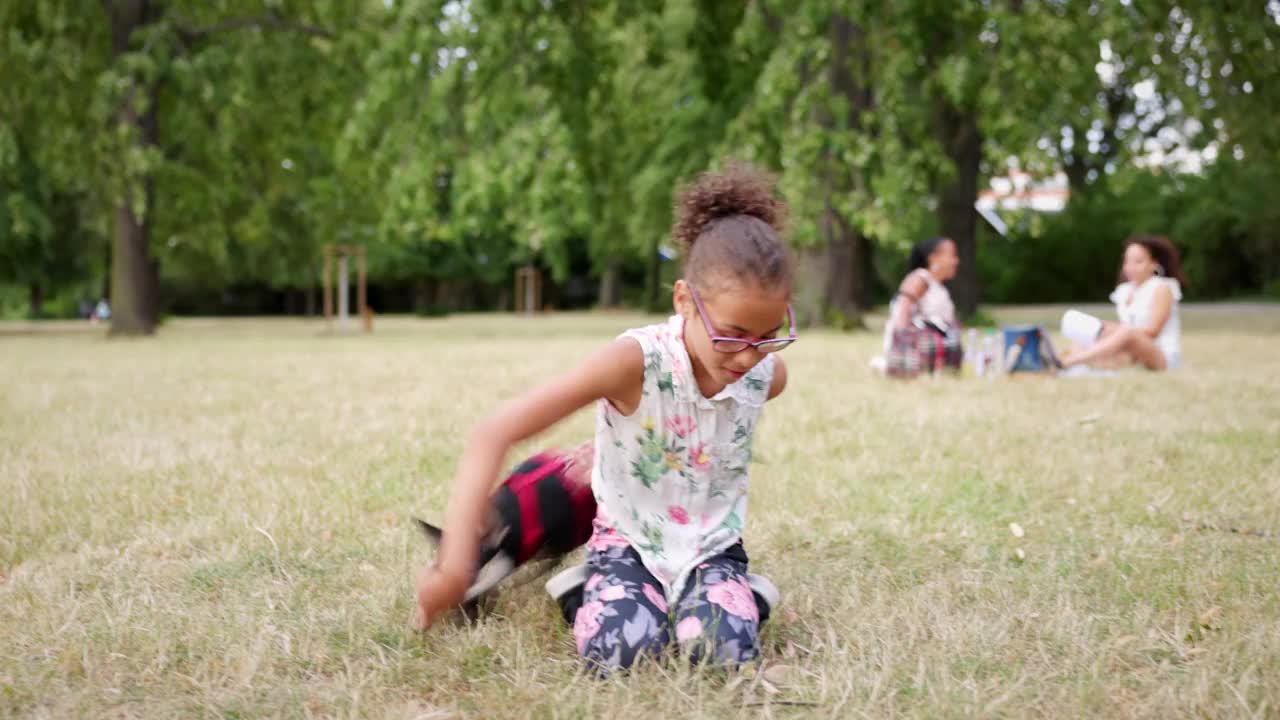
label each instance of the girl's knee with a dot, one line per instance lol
(608, 653)
(1132, 334)
(719, 638)
(614, 636)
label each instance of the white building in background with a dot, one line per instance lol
(1020, 192)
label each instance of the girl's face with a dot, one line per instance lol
(734, 310)
(1138, 266)
(944, 260)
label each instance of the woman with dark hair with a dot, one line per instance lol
(921, 333)
(1149, 331)
(922, 296)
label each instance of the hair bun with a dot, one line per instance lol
(738, 189)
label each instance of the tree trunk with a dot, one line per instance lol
(424, 290)
(1077, 174)
(452, 295)
(134, 275)
(850, 273)
(106, 276)
(962, 141)
(865, 271)
(37, 300)
(809, 298)
(842, 272)
(847, 250)
(132, 312)
(611, 285)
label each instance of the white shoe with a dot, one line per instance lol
(1079, 371)
(566, 580)
(565, 587)
(767, 595)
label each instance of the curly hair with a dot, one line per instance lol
(1163, 251)
(730, 225)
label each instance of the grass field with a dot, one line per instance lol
(214, 523)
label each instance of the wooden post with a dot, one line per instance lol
(362, 297)
(328, 287)
(344, 288)
(537, 289)
(528, 290)
(339, 275)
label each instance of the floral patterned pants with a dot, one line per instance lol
(624, 615)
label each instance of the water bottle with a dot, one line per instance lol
(991, 354)
(997, 352)
(988, 355)
(1013, 352)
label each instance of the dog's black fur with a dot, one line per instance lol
(494, 566)
(560, 524)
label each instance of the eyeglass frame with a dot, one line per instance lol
(743, 343)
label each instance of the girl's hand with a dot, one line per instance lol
(438, 593)
(615, 372)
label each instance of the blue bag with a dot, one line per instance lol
(1027, 348)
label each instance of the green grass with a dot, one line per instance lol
(214, 523)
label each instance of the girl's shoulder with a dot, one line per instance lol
(664, 358)
(915, 284)
(756, 388)
(1148, 289)
(924, 275)
(656, 337)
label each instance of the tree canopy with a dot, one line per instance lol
(171, 152)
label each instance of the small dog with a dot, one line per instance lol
(541, 512)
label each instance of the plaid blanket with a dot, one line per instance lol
(914, 350)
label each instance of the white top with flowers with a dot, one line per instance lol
(672, 477)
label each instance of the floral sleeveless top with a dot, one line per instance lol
(671, 478)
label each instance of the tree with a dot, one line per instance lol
(129, 58)
(842, 109)
(475, 164)
(220, 144)
(46, 242)
(953, 78)
(49, 229)
(812, 116)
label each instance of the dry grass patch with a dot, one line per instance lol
(214, 523)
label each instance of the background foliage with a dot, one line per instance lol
(192, 157)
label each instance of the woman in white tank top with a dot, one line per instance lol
(1149, 331)
(922, 296)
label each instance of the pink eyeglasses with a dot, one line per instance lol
(737, 345)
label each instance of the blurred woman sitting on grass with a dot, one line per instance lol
(922, 295)
(1149, 331)
(921, 333)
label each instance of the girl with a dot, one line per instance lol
(1149, 331)
(676, 409)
